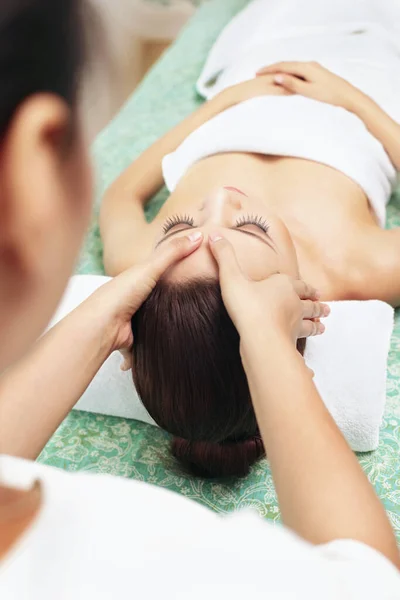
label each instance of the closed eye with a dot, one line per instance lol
(177, 220)
(253, 220)
(265, 239)
(188, 223)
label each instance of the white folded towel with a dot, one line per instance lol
(353, 40)
(349, 362)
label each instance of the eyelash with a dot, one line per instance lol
(177, 220)
(187, 220)
(253, 220)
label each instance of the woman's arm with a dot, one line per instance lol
(379, 124)
(322, 491)
(38, 392)
(314, 81)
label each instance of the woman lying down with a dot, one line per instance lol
(295, 166)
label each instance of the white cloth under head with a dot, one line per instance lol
(349, 362)
(106, 537)
(353, 40)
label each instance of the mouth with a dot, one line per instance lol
(230, 188)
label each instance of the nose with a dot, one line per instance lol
(221, 205)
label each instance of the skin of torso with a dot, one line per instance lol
(328, 215)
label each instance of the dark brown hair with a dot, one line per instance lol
(188, 372)
(43, 48)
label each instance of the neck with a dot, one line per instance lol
(18, 509)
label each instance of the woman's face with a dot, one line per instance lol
(262, 243)
(45, 196)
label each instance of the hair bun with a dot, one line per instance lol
(223, 459)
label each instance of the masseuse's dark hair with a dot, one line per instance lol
(188, 372)
(43, 47)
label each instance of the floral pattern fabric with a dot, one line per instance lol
(126, 448)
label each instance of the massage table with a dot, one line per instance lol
(128, 448)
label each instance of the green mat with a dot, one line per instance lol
(131, 449)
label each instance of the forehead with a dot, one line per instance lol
(256, 259)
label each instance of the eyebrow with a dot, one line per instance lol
(254, 235)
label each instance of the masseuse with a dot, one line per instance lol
(80, 536)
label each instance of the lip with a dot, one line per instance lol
(231, 188)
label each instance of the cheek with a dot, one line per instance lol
(287, 255)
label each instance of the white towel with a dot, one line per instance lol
(272, 30)
(293, 126)
(349, 362)
(353, 40)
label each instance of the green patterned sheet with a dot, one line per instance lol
(131, 449)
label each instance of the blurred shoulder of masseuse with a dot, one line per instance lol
(80, 536)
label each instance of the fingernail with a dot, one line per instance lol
(194, 237)
(327, 311)
(215, 237)
(321, 328)
(317, 294)
(278, 78)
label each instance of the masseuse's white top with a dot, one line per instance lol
(100, 537)
(354, 39)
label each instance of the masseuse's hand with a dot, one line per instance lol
(118, 300)
(290, 305)
(314, 81)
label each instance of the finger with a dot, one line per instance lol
(225, 257)
(314, 310)
(291, 84)
(300, 69)
(171, 253)
(136, 284)
(311, 328)
(305, 291)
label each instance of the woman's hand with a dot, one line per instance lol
(116, 302)
(298, 431)
(280, 302)
(314, 81)
(38, 392)
(259, 86)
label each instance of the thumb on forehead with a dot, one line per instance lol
(172, 252)
(225, 257)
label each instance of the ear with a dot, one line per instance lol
(32, 161)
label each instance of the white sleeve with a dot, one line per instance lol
(109, 535)
(360, 570)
